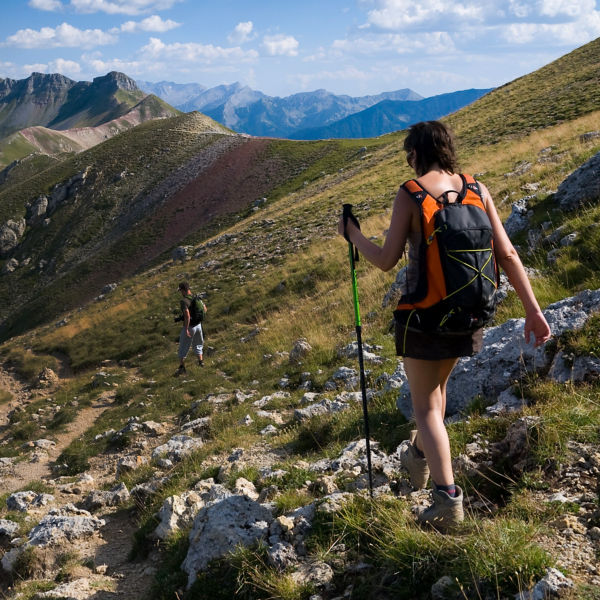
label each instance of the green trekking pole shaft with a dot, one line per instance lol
(354, 286)
(363, 387)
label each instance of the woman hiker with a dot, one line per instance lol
(430, 357)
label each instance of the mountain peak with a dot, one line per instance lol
(116, 80)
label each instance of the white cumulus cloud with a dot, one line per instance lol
(49, 5)
(242, 33)
(125, 7)
(64, 35)
(575, 33)
(194, 52)
(566, 8)
(435, 42)
(99, 65)
(153, 23)
(454, 16)
(66, 67)
(403, 14)
(281, 45)
(324, 78)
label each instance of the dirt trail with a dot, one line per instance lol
(126, 579)
(19, 394)
(26, 471)
(38, 463)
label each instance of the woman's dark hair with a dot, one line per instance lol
(184, 285)
(433, 145)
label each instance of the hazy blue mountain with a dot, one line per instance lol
(176, 94)
(57, 102)
(280, 117)
(249, 111)
(391, 115)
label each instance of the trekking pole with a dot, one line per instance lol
(353, 255)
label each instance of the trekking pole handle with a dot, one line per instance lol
(347, 215)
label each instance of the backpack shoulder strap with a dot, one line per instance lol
(414, 189)
(470, 183)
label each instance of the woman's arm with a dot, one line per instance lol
(508, 258)
(386, 256)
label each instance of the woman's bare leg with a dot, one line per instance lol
(427, 381)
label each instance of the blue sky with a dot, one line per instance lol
(282, 47)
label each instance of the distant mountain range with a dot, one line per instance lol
(54, 115)
(309, 115)
(390, 115)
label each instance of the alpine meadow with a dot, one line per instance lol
(247, 478)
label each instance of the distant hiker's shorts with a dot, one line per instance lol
(185, 342)
(433, 346)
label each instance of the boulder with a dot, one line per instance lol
(176, 513)
(518, 220)
(23, 501)
(300, 350)
(79, 589)
(153, 428)
(8, 528)
(282, 555)
(580, 187)
(10, 266)
(221, 527)
(553, 585)
(128, 464)
(36, 210)
(97, 499)
(396, 290)
(323, 407)
(317, 573)
(48, 377)
(10, 235)
(65, 524)
(178, 447)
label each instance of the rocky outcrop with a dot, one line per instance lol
(66, 190)
(580, 187)
(220, 528)
(10, 236)
(506, 358)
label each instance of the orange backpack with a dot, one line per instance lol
(457, 279)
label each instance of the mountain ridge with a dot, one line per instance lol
(57, 102)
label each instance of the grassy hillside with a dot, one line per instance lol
(561, 91)
(163, 183)
(277, 274)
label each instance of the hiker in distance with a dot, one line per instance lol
(193, 310)
(445, 302)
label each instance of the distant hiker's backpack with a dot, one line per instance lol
(457, 280)
(197, 310)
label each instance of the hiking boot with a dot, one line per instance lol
(416, 465)
(180, 371)
(445, 513)
(200, 363)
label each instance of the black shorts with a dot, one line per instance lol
(435, 346)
